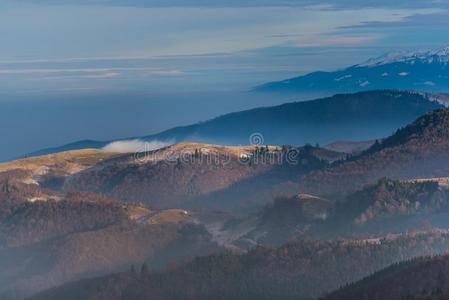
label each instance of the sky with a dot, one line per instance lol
(60, 45)
(103, 69)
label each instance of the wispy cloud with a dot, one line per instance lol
(133, 146)
(148, 33)
(327, 41)
(104, 75)
(249, 3)
(87, 73)
(238, 44)
(147, 71)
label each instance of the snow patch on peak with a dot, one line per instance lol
(343, 77)
(384, 59)
(424, 56)
(441, 52)
(365, 83)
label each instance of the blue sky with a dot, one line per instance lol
(155, 45)
(104, 69)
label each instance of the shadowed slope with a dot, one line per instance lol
(420, 149)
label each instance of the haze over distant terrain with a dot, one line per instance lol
(29, 123)
(363, 116)
(130, 64)
(224, 149)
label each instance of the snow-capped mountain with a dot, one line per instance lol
(422, 56)
(426, 70)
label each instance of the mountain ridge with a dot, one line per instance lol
(422, 70)
(416, 150)
(358, 116)
(416, 279)
(298, 270)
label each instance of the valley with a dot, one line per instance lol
(182, 208)
(224, 150)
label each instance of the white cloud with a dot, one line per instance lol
(133, 146)
(336, 41)
(150, 32)
(103, 71)
(248, 3)
(255, 41)
(343, 77)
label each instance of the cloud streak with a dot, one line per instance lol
(326, 41)
(147, 71)
(233, 47)
(135, 146)
(337, 4)
(52, 74)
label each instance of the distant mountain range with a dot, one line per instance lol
(79, 214)
(421, 70)
(190, 218)
(360, 116)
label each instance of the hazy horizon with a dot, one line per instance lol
(92, 116)
(224, 149)
(178, 59)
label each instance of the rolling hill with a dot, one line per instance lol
(417, 150)
(418, 279)
(300, 270)
(386, 207)
(360, 116)
(84, 213)
(45, 244)
(48, 236)
(195, 175)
